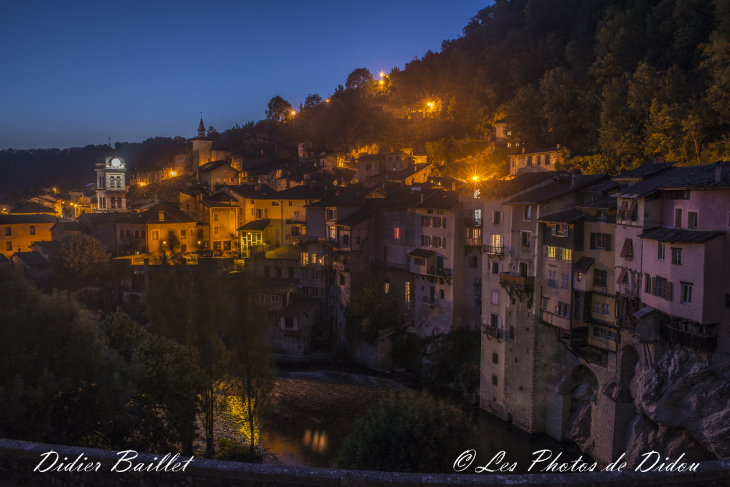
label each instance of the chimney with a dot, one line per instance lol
(575, 179)
(658, 158)
(718, 172)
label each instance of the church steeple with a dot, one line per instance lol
(201, 128)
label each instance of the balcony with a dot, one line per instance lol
(437, 271)
(526, 283)
(553, 319)
(473, 222)
(629, 291)
(297, 220)
(493, 331)
(473, 242)
(695, 341)
(328, 241)
(493, 250)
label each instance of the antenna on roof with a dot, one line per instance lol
(110, 141)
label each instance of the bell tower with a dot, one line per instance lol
(111, 189)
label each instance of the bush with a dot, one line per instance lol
(235, 451)
(408, 432)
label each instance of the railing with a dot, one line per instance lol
(628, 290)
(473, 242)
(436, 271)
(555, 320)
(297, 220)
(328, 241)
(525, 282)
(702, 343)
(341, 266)
(493, 249)
(299, 238)
(493, 331)
(473, 222)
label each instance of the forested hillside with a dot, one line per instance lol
(613, 80)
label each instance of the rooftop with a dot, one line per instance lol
(357, 216)
(507, 187)
(602, 203)
(583, 264)
(287, 252)
(649, 185)
(256, 225)
(32, 259)
(559, 186)
(30, 218)
(299, 306)
(172, 214)
(567, 216)
(210, 166)
(32, 207)
(422, 253)
(414, 197)
(702, 177)
(680, 235)
(538, 151)
(643, 172)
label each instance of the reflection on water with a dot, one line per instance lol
(317, 441)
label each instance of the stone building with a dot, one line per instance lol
(111, 189)
(537, 159)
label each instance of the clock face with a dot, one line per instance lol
(116, 162)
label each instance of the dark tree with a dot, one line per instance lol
(279, 110)
(80, 261)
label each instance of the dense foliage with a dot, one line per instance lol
(370, 312)
(407, 433)
(80, 261)
(66, 379)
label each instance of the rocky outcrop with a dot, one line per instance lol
(683, 405)
(582, 388)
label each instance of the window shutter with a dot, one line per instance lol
(499, 321)
(494, 217)
(653, 286)
(669, 291)
(631, 209)
(626, 247)
(622, 210)
(621, 276)
(608, 242)
(593, 240)
(443, 222)
(499, 268)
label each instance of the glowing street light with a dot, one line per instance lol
(381, 81)
(382, 74)
(293, 113)
(475, 178)
(173, 173)
(327, 100)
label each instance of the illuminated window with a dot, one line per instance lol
(396, 233)
(567, 255)
(551, 252)
(386, 287)
(155, 235)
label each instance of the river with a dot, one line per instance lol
(315, 409)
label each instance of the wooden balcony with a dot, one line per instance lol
(473, 222)
(437, 271)
(526, 283)
(695, 341)
(629, 291)
(492, 331)
(473, 242)
(493, 250)
(553, 319)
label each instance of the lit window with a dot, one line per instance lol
(551, 252)
(386, 287)
(567, 255)
(396, 233)
(155, 235)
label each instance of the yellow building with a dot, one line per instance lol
(159, 230)
(19, 231)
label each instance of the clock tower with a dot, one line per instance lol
(110, 185)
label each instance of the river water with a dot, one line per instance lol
(315, 409)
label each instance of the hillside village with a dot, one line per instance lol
(575, 283)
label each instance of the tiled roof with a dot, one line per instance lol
(601, 187)
(603, 203)
(3, 259)
(583, 264)
(558, 187)
(276, 286)
(287, 252)
(33, 207)
(644, 171)
(299, 306)
(68, 226)
(567, 216)
(303, 192)
(422, 253)
(256, 225)
(538, 151)
(345, 197)
(410, 197)
(94, 218)
(172, 214)
(507, 187)
(32, 259)
(680, 235)
(356, 217)
(248, 191)
(702, 177)
(31, 218)
(400, 175)
(210, 166)
(650, 185)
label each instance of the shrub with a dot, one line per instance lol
(408, 432)
(235, 451)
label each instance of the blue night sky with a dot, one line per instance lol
(75, 73)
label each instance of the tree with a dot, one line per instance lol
(407, 432)
(168, 381)
(252, 375)
(371, 310)
(312, 101)
(193, 311)
(213, 133)
(279, 110)
(358, 79)
(80, 261)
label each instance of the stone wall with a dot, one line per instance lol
(19, 458)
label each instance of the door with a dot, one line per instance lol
(523, 269)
